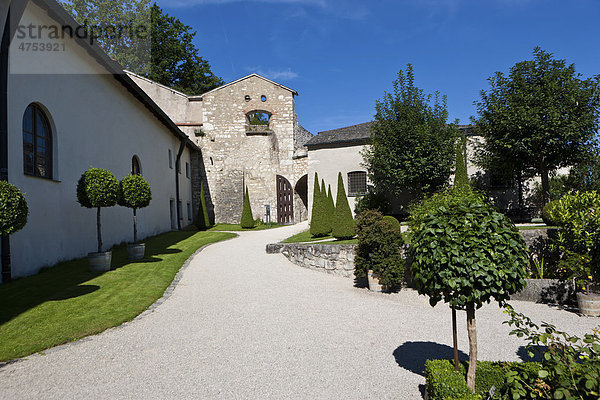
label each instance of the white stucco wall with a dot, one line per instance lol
(328, 162)
(95, 122)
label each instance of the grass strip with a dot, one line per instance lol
(68, 301)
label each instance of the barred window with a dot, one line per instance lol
(37, 143)
(357, 183)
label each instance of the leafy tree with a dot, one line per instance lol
(13, 218)
(319, 225)
(97, 188)
(540, 117)
(202, 219)
(412, 147)
(585, 176)
(465, 254)
(247, 221)
(343, 222)
(134, 193)
(163, 51)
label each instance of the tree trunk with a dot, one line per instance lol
(455, 339)
(134, 226)
(472, 330)
(99, 226)
(545, 186)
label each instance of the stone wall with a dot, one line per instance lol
(332, 259)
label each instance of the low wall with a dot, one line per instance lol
(336, 259)
(549, 291)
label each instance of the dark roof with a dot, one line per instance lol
(58, 13)
(355, 134)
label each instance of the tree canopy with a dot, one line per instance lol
(412, 146)
(539, 117)
(150, 42)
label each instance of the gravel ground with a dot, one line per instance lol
(242, 324)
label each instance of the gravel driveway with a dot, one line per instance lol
(242, 324)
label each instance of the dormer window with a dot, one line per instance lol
(258, 122)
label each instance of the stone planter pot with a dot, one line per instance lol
(374, 285)
(135, 251)
(100, 262)
(589, 304)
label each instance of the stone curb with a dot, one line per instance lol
(168, 292)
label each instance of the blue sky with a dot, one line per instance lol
(342, 55)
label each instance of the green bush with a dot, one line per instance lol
(134, 193)
(444, 383)
(97, 188)
(319, 226)
(247, 221)
(392, 220)
(379, 249)
(326, 207)
(343, 222)
(547, 214)
(202, 221)
(330, 207)
(372, 200)
(13, 209)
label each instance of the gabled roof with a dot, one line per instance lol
(242, 79)
(350, 135)
(58, 13)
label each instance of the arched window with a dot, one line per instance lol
(357, 183)
(37, 143)
(257, 122)
(136, 168)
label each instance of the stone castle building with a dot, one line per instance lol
(249, 136)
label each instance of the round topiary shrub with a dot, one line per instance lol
(392, 220)
(97, 188)
(379, 249)
(134, 193)
(13, 209)
(547, 214)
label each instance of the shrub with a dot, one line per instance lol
(392, 220)
(330, 207)
(318, 221)
(247, 221)
(134, 193)
(547, 214)
(97, 188)
(202, 220)
(379, 249)
(465, 253)
(372, 200)
(326, 207)
(13, 209)
(343, 222)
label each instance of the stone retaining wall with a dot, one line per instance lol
(337, 259)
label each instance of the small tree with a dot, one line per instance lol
(13, 217)
(134, 193)
(465, 254)
(318, 221)
(247, 221)
(330, 206)
(343, 222)
(202, 219)
(326, 206)
(97, 188)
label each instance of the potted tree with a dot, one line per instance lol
(13, 217)
(98, 188)
(134, 193)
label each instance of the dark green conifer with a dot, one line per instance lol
(343, 222)
(202, 220)
(247, 221)
(318, 221)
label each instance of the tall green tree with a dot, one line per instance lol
(162, 49)
(408, 126)
(540, 117)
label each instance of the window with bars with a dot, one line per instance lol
(37, 143)
(357, 183)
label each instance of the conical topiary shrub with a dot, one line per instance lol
(318, 221)
(202, 221)
(324, 198)
(330, 206)
(343, 222)
(247, 221)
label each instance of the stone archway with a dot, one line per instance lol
(301, 199)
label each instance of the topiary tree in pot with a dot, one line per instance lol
(98, 188)
(134, 193)
(13, 217)
(465, 253)
(247, 221)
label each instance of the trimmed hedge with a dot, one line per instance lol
(202, 220)
(330, 207)
(547, 214)
(326, 208)
(247, 221)
(97, 188)
(13, 209)
(318, 222)
(443, 383)
(343, 222)
(134, 192)
(392, 220)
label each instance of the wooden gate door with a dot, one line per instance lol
(285, 201)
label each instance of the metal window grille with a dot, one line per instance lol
(357, 183)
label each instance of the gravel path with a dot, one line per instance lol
(242, 324)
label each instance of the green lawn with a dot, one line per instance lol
(238, 228)
(68, 302)
(306, 237)
(528, 228)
